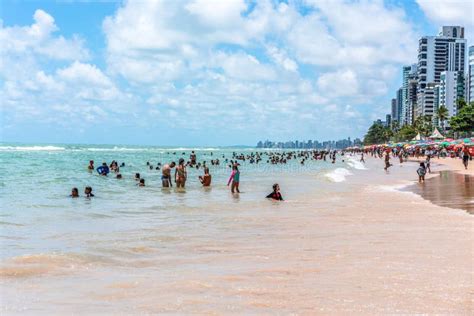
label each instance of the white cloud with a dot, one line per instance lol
(451, 12)
(39, 38)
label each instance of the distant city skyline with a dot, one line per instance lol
(310, 144)
(210, 73)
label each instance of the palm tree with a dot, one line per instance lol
(442, 114)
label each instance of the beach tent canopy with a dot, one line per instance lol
(418, 137)
(436, 134)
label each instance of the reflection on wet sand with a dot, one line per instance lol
(449, 189)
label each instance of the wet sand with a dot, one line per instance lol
(449, 189)
(365, 248)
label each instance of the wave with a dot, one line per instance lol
(356, 164)
(31, 148)
(338, 175)
(116, 149)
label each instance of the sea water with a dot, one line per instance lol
(128, 234)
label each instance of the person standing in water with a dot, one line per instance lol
(234, 178)
(166, 175)
(465, 156)
(421, 172)
(90, 167)
(180, 174)
(206, 178)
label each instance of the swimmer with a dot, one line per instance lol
(119, 176)
(104, 169)
(166, 175)
(137, 176)
(180, 174)
(88, 192)
(74, 193)
(90, 167)
(206, 179)
(141, 183)
(275, 195)
(234, 178)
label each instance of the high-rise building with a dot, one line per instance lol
(412, 99)
(425, 104)
(449, 90)
(399, 100)
(388, 120)
(470, 77)
(408, 73)
(444, 52)
(393, 112)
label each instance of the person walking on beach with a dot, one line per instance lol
(166, 175)
(465, 156)
(387, 161)
(206, 178)
(421, 172)
(234, 178)
(428, 164)
(180, 174)
(362, 158)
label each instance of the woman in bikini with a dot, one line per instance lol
(180, 174)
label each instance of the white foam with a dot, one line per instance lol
(356, 164)
(338, 175)
(31, 148)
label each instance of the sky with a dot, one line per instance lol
(207, 72)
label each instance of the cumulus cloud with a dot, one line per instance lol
(215, 62)
(450, 12)
(39, 38)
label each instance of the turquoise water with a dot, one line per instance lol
(39, 217)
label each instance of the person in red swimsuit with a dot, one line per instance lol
(275, 195)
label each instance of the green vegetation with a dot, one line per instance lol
(442, 115)
(461, 125)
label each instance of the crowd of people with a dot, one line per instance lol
(403, 154)
(180, 175)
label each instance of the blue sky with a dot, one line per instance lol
(206, 72)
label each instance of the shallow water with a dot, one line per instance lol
(449, 189)
(147, 250)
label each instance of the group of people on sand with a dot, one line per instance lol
(180, 174)
(425, 166)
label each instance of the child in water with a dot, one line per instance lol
(275, 195)
(234, 178)
(421, 172)
(88, 192)
(141, 183)
(74, 193)
(206, 179)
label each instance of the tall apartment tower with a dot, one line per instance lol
(470, 76)
(394, 111)
(451, 89)
(408, 73)
(444, 52)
